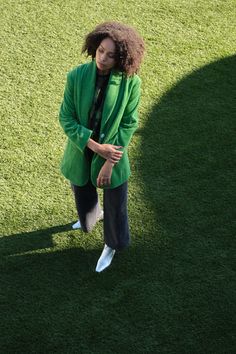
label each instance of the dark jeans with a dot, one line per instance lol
(116, 226)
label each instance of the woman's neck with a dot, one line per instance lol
(103, 73)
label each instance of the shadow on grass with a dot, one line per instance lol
(30, 241)
(175, 299)
(187, 166)
(188, 153)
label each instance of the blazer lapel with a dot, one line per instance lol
(112, 93)
(86, 88)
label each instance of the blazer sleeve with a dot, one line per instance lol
(129, 121)
(78, 134)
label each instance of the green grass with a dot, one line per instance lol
(173, 291)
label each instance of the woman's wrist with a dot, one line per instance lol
(93, 145)
(109, 163)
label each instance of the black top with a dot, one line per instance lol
(95, 115)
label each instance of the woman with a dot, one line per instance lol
(99, 116)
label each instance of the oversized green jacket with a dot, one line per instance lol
(119, 121)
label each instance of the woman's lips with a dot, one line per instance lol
(101, 65)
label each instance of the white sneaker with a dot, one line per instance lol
(77, 225)
(100, 216)
(105, 258)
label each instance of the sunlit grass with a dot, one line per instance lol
(173, 290)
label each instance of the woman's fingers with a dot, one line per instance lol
(108, 151)
(106, 181)
(114, 160)
(116, 156)
(103, 181)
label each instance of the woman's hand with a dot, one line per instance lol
(104, 177)
(107, 151)
(110, 152)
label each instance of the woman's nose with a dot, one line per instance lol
(103, 58)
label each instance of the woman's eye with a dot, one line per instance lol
(100, 50)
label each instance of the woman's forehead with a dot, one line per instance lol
(108, 44)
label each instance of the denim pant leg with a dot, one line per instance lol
(116, 225)
(87, 205)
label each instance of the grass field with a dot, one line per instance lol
(173, 291)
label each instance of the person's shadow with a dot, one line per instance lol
(17, 248)
(179, 290)
(30, 241)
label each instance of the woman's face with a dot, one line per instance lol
(105, 56)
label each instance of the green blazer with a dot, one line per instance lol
(119, 121)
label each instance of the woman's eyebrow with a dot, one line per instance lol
(105, 49)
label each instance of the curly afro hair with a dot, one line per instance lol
(129, 45)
